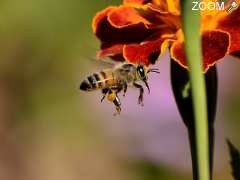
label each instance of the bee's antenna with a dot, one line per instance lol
(155, 70)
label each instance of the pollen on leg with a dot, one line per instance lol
(111, 96)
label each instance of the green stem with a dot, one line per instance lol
(191, 29)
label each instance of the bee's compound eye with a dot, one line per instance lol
(141, 71)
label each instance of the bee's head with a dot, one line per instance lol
(142, 73)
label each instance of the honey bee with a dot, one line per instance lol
(112, 81)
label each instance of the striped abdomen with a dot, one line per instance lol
(99, 80)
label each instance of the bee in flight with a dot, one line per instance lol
(112, 81)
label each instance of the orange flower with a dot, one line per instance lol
(138, 31)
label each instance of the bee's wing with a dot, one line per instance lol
(123, 70)
(106, 62)
(109, 61)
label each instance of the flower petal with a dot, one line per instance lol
(110, 51)
(136, 2)
(165, 17)
(125, 16)
(146, 53)
(100, 16)
(110, 36)
(130, 34)
(231, 24)
(171, 6)
(215, 45)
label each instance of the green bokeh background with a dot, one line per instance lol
(47, 128)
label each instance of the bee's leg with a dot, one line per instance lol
(140, 98)
(103, 97)
(117, 105)
(124, 89)
(104, 91)
(112, 96)
(116, 89)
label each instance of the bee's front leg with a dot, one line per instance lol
(124, 89)
(140, 98)
(113, 97)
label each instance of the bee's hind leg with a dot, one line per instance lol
(117, 106)
(140, 98)
(113, 97)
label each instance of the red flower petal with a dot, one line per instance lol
(165, 18)
(111, 36)
(100, 16)
(231, 24)
(126, 16)
(146, 53)
(215, 45)
(137, 2)
(132, 34)
(110, 51)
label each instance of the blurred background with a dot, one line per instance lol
(50, 130)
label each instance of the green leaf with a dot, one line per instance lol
(235, 160)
